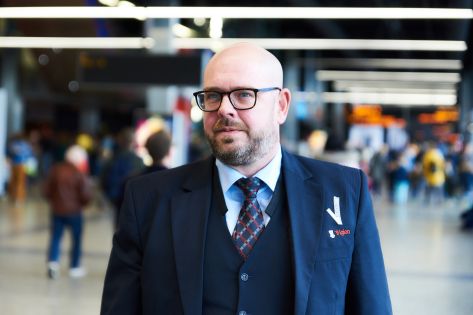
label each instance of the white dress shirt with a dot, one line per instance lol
(234, 196)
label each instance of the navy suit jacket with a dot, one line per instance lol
(157, 261)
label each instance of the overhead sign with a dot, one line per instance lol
(140, 69)
(440, 116)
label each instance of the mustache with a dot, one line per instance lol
(225, 123)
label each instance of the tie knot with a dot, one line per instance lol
(249, 186)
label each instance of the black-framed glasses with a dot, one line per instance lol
(241, 99)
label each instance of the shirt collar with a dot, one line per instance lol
(268, 174)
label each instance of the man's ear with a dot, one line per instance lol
(283, 105)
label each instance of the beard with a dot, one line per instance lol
(256, 147)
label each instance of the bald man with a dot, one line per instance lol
(253, 229)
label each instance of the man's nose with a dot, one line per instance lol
(226, 107)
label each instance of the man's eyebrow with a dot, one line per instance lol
(213, 88)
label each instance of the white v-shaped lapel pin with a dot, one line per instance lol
(337, 216)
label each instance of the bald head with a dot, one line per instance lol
(245, 139)
(252, 64)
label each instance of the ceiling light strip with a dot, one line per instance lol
(386, 63)
(235, 12)
(308, 13)
(323, 44)
(399, 90)
(72, 12)
(390, 99)
(77, 42)
(216, 44)
(447, 77)
(347, 84)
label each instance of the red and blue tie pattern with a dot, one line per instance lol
(250, 222)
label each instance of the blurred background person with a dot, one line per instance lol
(123, 164)
(465, 170)
(377, 170)
(400, 178)
(19, 152)
(433, 166)
(452, 172)
(466, 179)
(416, 175)
(67, 190)
(158, 146)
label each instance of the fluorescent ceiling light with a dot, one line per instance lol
(329, 75)
(77, 42)
(323, 44)
(110, 3)
(217, 44)
(390, 98)
(412, 99)
(236, 12)
(342, 85)
(390, 90)
(72, 12)
(126, 4)
(308, 13)
(180, 30)
(216, 27)
(439, 64)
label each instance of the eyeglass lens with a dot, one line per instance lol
(239, 98)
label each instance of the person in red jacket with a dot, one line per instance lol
(67, 190)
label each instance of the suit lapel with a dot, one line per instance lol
(190, 208)
(305, 201)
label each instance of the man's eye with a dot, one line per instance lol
(245, 94)
(212, 97)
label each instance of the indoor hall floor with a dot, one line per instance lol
(429, 261)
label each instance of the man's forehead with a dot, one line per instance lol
(243, 66)
(227, 81)
(240, 74)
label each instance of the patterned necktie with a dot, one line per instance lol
(250, 222)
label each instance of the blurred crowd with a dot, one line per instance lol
(430, 172)
(108, 159)
(70, 168)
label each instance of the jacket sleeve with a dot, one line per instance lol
(85, 190)
(122, 287)
(367, 290)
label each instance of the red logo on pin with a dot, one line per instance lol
(342, 232)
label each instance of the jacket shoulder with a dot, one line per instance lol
(317, 165)
(169, 178)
